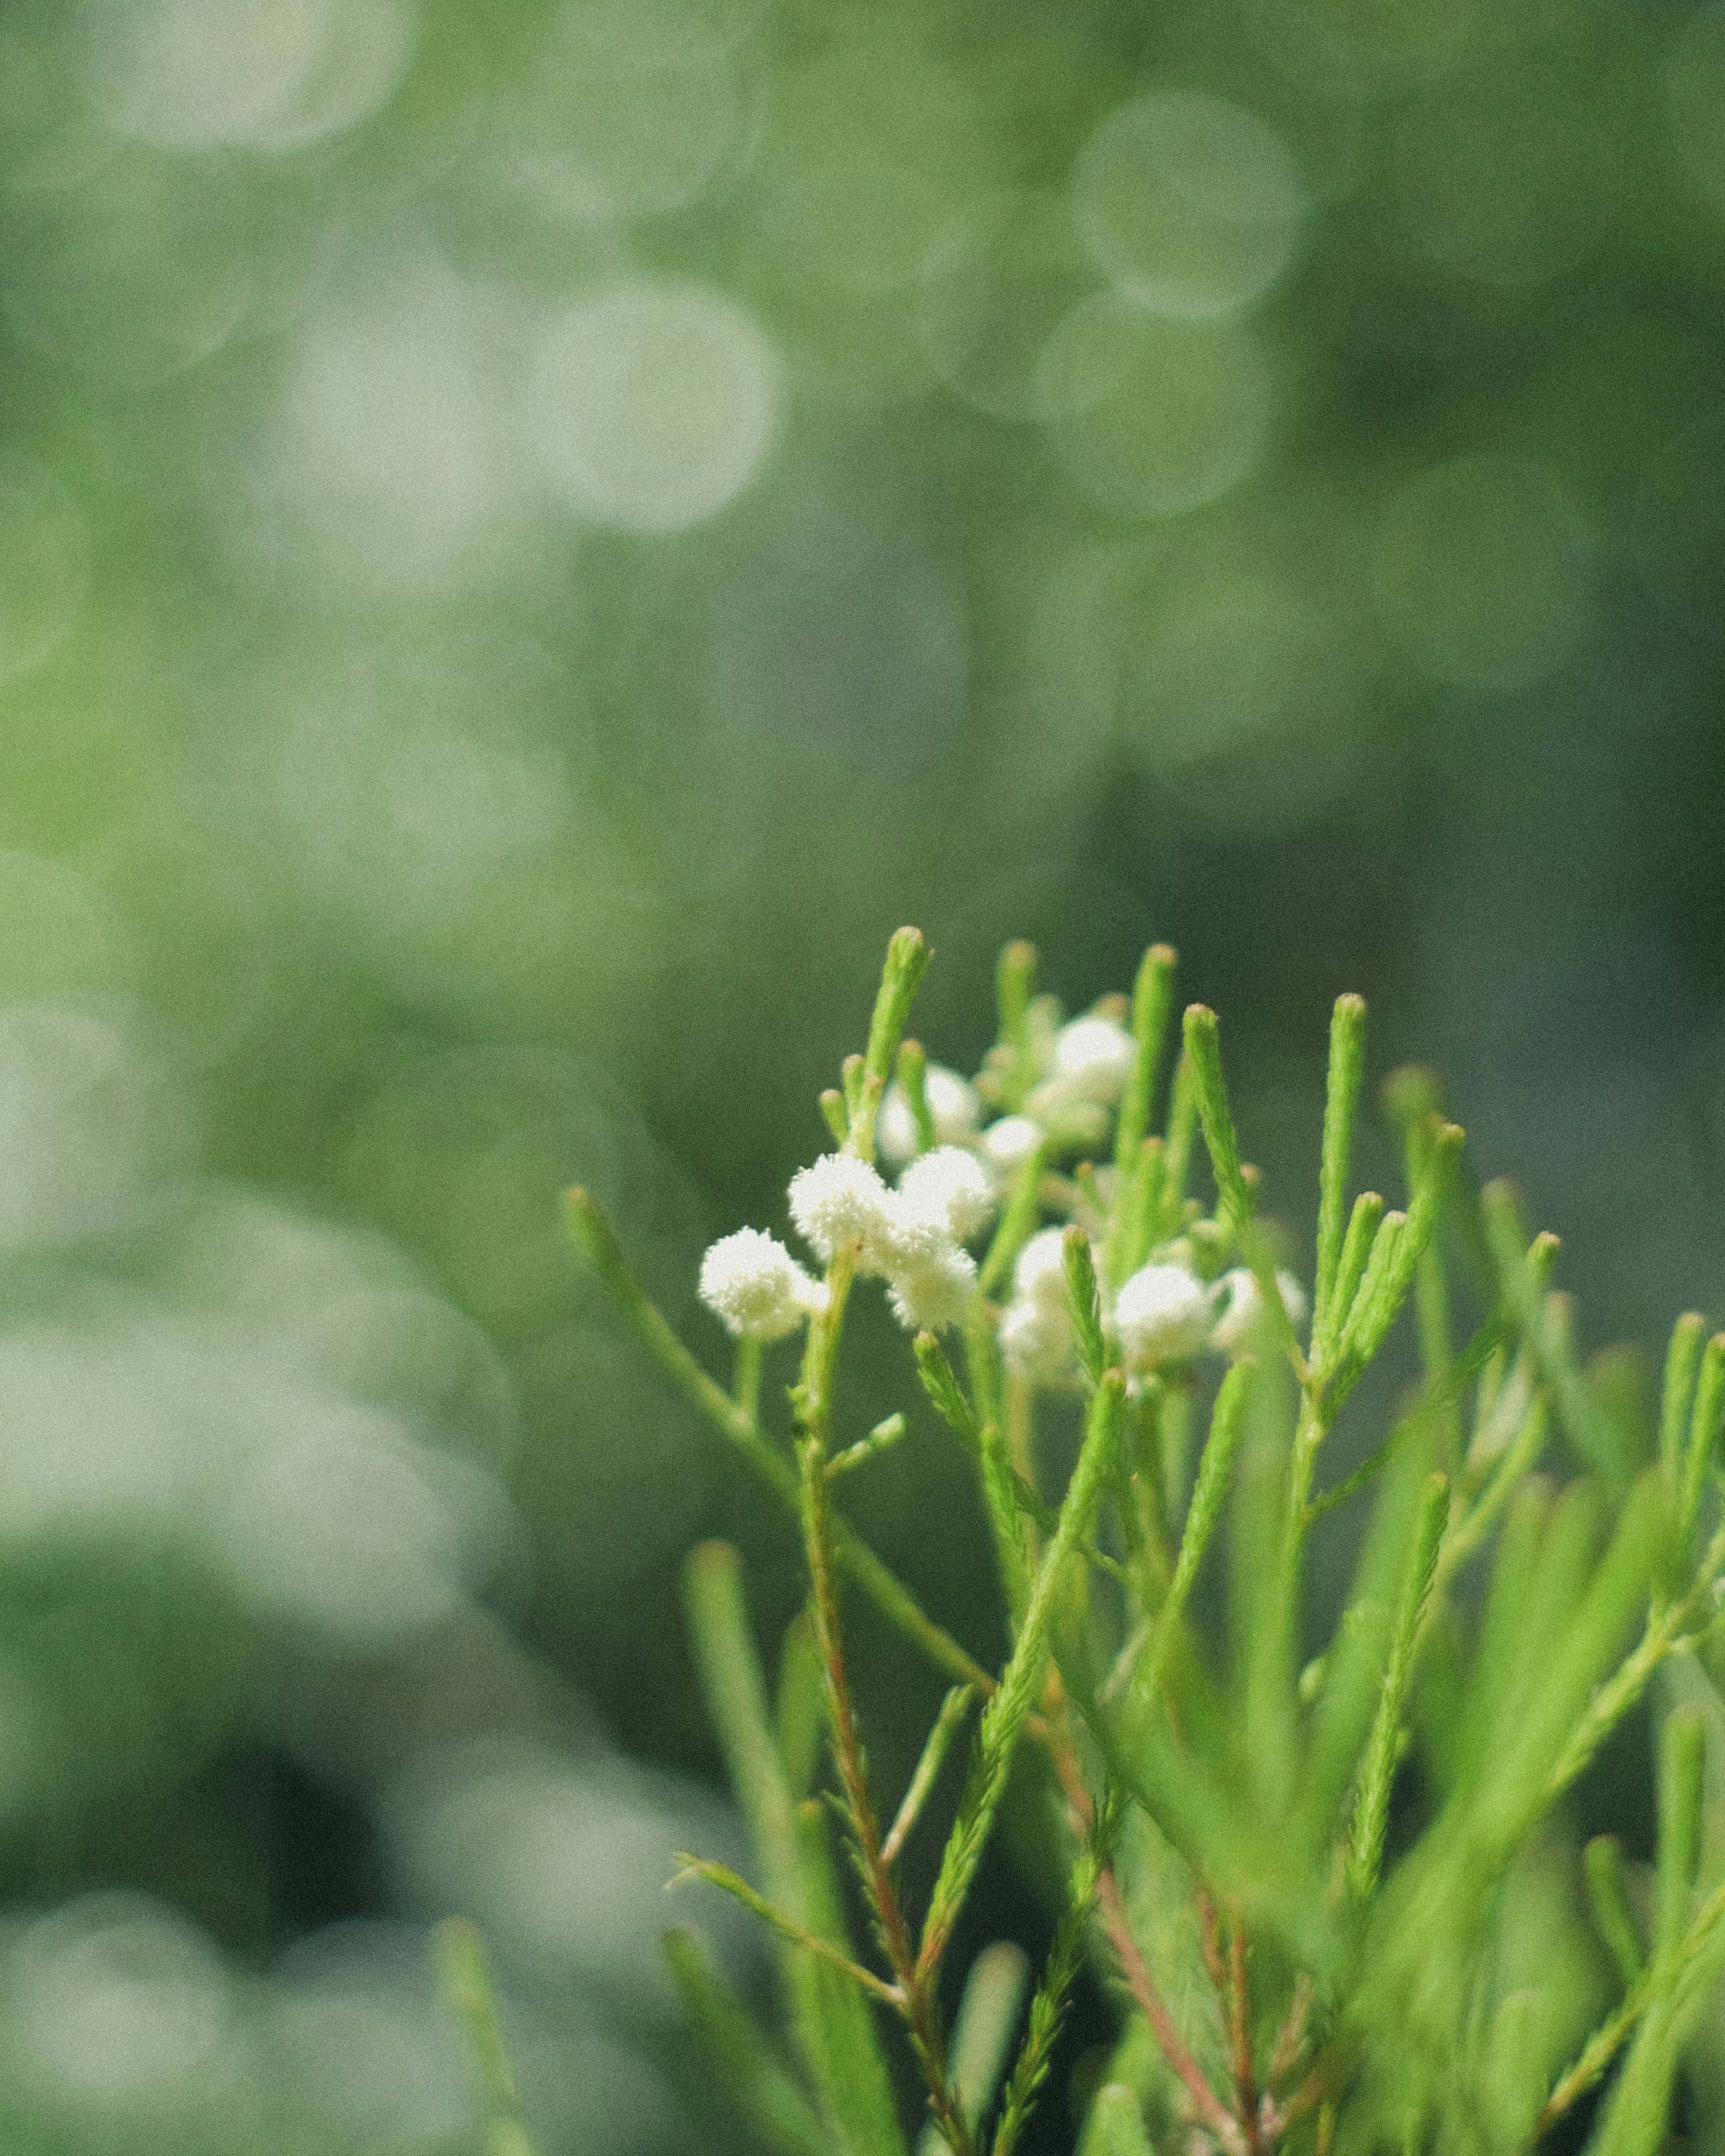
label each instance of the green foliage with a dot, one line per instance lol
(1336, 1896)
(464, 1979)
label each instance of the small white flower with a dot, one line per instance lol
(933, 1292)
(1093, 1056)
(839, 1203)
(951, 1186)
(1010, 1142)
(952, 1107)
(1039, 1273)
(1161, 1313)
(754, 1285)
(913, 1238)
(1244, 1307)
(1036, 1340)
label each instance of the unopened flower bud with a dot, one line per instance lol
(952, 1107)
(1093, 1056)
(1036, 1341)
(1011, 1142)
(1161, 1313)
(1243, 1308)
(1039, 1273)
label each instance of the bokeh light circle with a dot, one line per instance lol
(77, 1119)
(995, 287)
(833, 257)
(135, 269)
(382, 464)
(119, 2004)
(1484, 575)
(199, 74)
(1183, 423)
(1192, 206)
(341, 1523)
(1090, 352)
(652, 406)
(611, 126)
(563, 1857)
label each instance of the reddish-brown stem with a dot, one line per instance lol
(1208, 2106)
(1212, 2112)
(1291, 2037)
(1240, 2029)
(917, 2005)
(1227, 1978)
(1209, 1932)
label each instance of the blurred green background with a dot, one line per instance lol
(530, 538)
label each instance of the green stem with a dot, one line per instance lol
(746, 1385)
(464, 1981)
(913, 1994)
(593, 1235)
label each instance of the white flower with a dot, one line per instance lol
(840, 1203)
(1161, 1313)
(1010, 1142)
(1040, 1274)
(951, 1186)
(1036, 1341)
(751, 1282)
(1094, 1058)
(913, 1239)
(934, 1291)
(1244, 1305)
(952, 1107)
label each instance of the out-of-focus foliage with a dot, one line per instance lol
(521, 526)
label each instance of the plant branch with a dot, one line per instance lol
(593, 1233)
(914, 1992)
(1211, 2111)
(734, 1884)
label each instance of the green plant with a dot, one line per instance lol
(1314, 1946)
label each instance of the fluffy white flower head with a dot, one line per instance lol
(1036, 1341)
(952, 1107)
(755, 1288)
(1010, 1142)
(1040, 1274)
(951, 1186)
(1093, 1057)
(839, 1203)
(1161, 1313)
(1244, 1307)
(933, 1293)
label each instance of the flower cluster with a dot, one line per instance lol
(1077, 1073)
(1067, 1081)
(913, 1236)
(1162, 1313)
